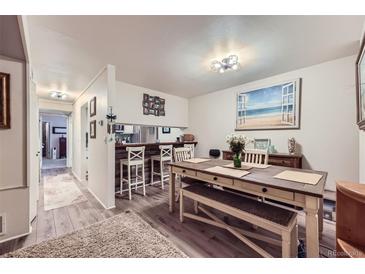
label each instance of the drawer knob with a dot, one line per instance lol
(184, 171)
(264, 189)
(215, 178)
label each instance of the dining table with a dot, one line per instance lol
(262, 181)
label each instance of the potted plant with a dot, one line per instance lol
(237, 144)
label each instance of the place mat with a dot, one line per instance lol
(238, 173)
(300, 177)
(197, 160)
(243, 167)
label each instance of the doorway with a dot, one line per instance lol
(54, 140)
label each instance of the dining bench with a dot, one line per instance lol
(275, 219)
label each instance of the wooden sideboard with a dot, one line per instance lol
(277, 159)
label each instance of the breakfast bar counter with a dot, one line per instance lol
(150, 150)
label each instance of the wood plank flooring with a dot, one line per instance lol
(192, 237)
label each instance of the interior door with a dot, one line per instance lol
(34, 150)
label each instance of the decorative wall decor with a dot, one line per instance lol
(93, 107)
(4, 100)
(166, 130)
(270, 107)
(153, 105)
(59, 130)
(93, 129)
(360, 86)
(262, 143)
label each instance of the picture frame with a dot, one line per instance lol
(166, 130)
(263, 143)
(93, 107)
(153, 105)
(59, 130)
(360, 86)
(4, 100)
(270, 107)
(92, 129)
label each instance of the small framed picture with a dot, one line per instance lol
(93, 129)
(262, 143)
(4, 100)
(166, 130)
(93, 107)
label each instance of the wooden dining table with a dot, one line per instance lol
(262, 183)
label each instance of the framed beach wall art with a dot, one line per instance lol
(276, 106)
(4, 100)
(360, 86)
(93, 107)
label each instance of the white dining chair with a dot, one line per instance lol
(256, 156)
(181, 154)
(135, 159)
(165, 156)
(192, 149)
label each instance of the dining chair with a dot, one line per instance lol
(256, 156)
(192, 149)
(181, 154)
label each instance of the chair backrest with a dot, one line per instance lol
(166, 152)
(256, 156)
(192, 147)
(182, 154)
(135, 154)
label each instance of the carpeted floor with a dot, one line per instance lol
(123, 236)
(61, 190)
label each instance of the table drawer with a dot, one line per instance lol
(214, 179)
(184, 171)
(267, 191)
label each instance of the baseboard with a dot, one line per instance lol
(17, 236)
(96, 197)
(77, 177)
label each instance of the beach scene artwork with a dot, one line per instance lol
(271, 107)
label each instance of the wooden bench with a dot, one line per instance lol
(277, 220)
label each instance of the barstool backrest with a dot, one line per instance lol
(166, 152)
(182, 154)
(136, 155)
(191, 146)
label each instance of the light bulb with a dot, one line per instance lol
(233, 59)
(235, 67)
(221, 70)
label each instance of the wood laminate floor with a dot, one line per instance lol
(194, 238)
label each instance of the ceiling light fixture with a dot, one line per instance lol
(229, 63)
(58, 95)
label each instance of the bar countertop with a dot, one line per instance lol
(153, 144)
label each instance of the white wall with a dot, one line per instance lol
(14, 193)
(169, 137)
(57, 106)
(328, 135)
(55, 121)
(128, 107)
(101, 152)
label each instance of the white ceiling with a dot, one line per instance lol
(173, 53)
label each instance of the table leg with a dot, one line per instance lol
(172, 191)
(312, 226)
(320, 217)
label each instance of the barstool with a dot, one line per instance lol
(165, 156)
(136, 159)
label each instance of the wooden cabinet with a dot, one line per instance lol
(350, 223)
(277, 159)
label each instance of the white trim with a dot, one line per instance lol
(17, 236)
(99, 200)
